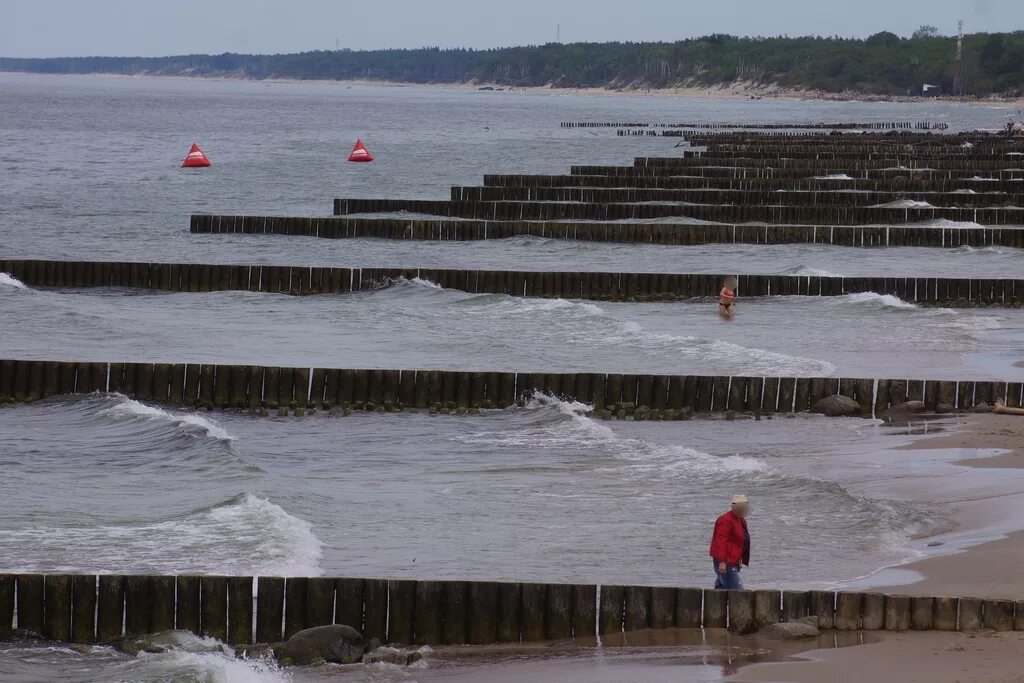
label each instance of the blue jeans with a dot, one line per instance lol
(730, 580)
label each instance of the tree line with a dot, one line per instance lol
(883, 64)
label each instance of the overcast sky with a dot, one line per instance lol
(44, 28)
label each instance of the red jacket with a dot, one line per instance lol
(728, 543)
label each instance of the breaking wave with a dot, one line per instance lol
(128, 408)
(877, 301)
(903, 204)
(551, 422)
(8, 280)
(244, 535)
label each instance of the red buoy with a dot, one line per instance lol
(360, 153)
(196, 158)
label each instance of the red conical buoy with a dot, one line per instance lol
(360, 153)
(195, 158)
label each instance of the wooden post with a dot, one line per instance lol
(823, 604)
(57, 621)
(401, 610)
(482, 620)
(922, 614)
(766, 607)
(83, 609)
(375, 609)
(897, 613)
(240, 610)
(455, 613)
(637, 608)
(970, 615)
(873, 612)
(663, 607)
(319, 602)
(429, 614)
(716, 605)
(509, 612)
(689, 607)
(189, 612)
(558, 611)
(584, 611)
(110, 607)
(741, 611)
(945, 614)
(213, 606)
(162, 603)
(295, 605)
(348, 602)
(997, 615)
(848, 608)
(611, 609)
(270, 609)
(533, 608)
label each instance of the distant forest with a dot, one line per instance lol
(882, 64)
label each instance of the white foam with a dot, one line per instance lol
(903, 204)
(884, 300)
(10, 281)
(200, 659)
(128, 407)
(752, 361)
(833, 176)
(571, 428)
(946, 223)
(423, 282)
(805, 270)
(244, 536)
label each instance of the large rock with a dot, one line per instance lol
(337, 644)
(837, 406)
(907, 407)
(791, 630)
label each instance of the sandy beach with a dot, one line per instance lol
(728, 91)
(931, 657)
(991, 569)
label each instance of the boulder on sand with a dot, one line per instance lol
(792, 630)
(338, 644)
(837, 406)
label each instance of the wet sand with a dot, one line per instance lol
(991, 569)
(929, 657)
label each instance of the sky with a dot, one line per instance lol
(50, 28)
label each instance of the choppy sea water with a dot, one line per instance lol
(104, 483)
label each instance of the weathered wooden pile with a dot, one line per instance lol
(88, 608)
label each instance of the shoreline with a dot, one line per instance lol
(978, 565)
(733, 91)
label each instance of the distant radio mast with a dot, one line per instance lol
(958, 61)
(558, 33)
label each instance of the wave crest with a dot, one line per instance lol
(8, 280)
(129, 408)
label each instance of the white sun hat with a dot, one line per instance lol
(740, 499)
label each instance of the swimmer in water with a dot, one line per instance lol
(727, 298)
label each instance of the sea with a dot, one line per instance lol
(543, 492)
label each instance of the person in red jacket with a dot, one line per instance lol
(730, 544)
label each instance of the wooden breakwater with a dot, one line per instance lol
(598, 286)
(759, 128)
(341, 227)
(807, 184)
(834, 196)
(240, 610)
(803, 214)
(621, 395)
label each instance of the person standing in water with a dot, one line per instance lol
(727, 297)
(730, 544)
